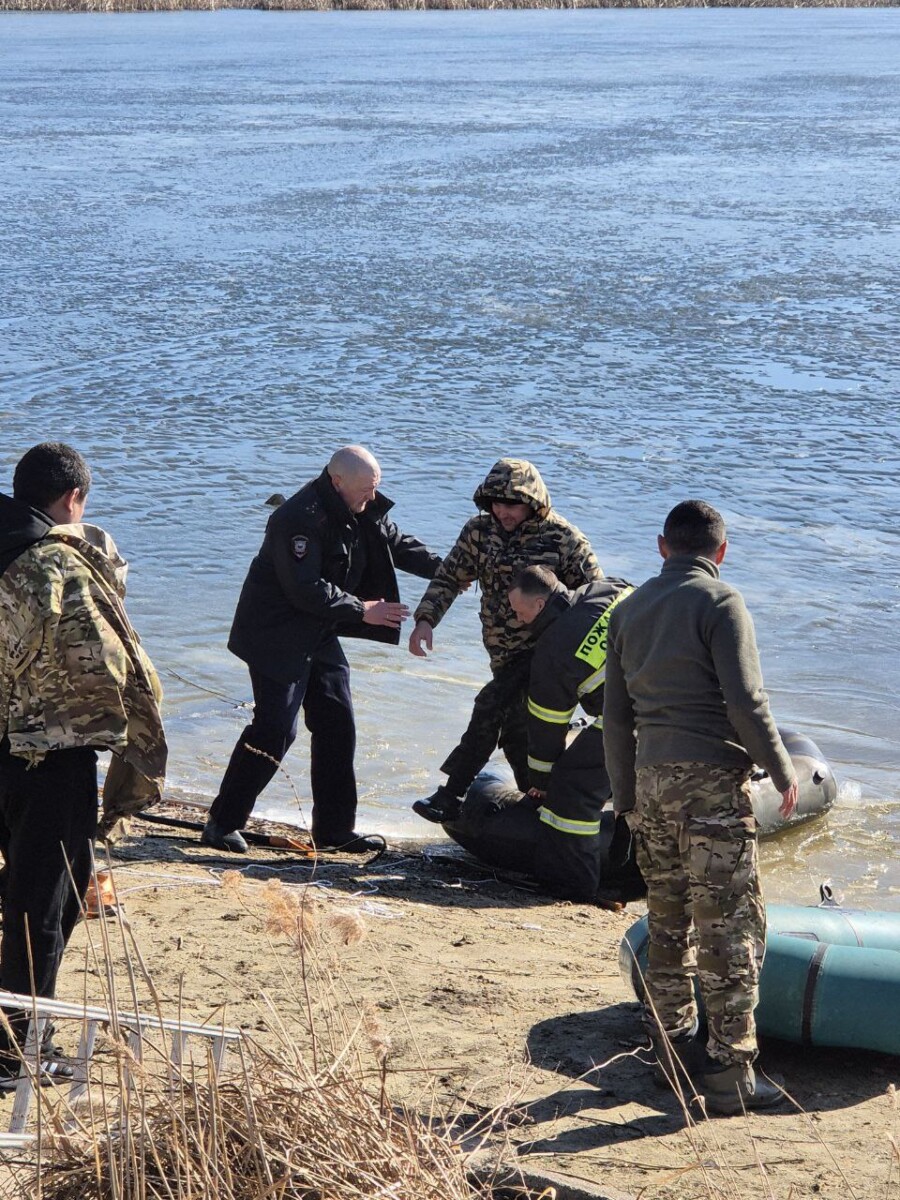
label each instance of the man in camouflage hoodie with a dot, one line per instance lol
(73, 680)
(517, 527)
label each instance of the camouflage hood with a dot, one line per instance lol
(516, 480)
(487, 554)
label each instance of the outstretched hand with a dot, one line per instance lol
(384, 612)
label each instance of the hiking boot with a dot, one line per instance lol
(729, 1090)
(439, 807)
(221, 839)
(354, 843)
(611, 892)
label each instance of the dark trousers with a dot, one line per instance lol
(568, 856)
(48, 820)
(323, 691)
(499, 719)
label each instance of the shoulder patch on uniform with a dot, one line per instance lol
(299, 546)
(593, 649)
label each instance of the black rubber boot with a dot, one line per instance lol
(439, 807)
(221, 839)
(354, 843)
(732, 1089)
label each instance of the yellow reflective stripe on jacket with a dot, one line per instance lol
(597, 723)
(555, 716)
(594, 681)
(567, 825)
(593, 649)
(538, 764)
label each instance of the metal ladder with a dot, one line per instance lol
(91, 1018)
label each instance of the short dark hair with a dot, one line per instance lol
(535, 581)
(47, 471)
(694, 527)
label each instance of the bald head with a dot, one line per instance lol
(350, 461)
(355, 474)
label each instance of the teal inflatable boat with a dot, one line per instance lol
(831, 976)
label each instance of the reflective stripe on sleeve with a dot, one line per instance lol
(597, 723)
(566, 825)
(593, 681)
(555, 716)
(538, 764)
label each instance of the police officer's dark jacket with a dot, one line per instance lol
(568, 668)
(317, 564)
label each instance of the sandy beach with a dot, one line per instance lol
(487, 995)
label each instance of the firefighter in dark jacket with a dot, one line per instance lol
(568, 777)
(325, 570)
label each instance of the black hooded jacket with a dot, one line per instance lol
(20, 527)
(317, 564)
(568, 669)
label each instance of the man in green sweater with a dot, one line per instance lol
(685, 718)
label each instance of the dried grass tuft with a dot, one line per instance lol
(348, 927)
(291, 914)
(232, 881)
(277, 1128)
(379, 1040)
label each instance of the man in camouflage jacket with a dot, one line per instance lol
(516, 527)
(73, 680)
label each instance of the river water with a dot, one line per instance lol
(655, 252)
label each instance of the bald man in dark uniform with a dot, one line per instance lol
(325, 570)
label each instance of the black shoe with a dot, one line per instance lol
(53, 1071)
(729, 1090)
(354, 843)
(620, 893)
(220, 839)
(439, 807)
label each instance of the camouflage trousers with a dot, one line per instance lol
(695, 839)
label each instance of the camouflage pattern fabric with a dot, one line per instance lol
(72, 669)
(485, 553)
(695, 837)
